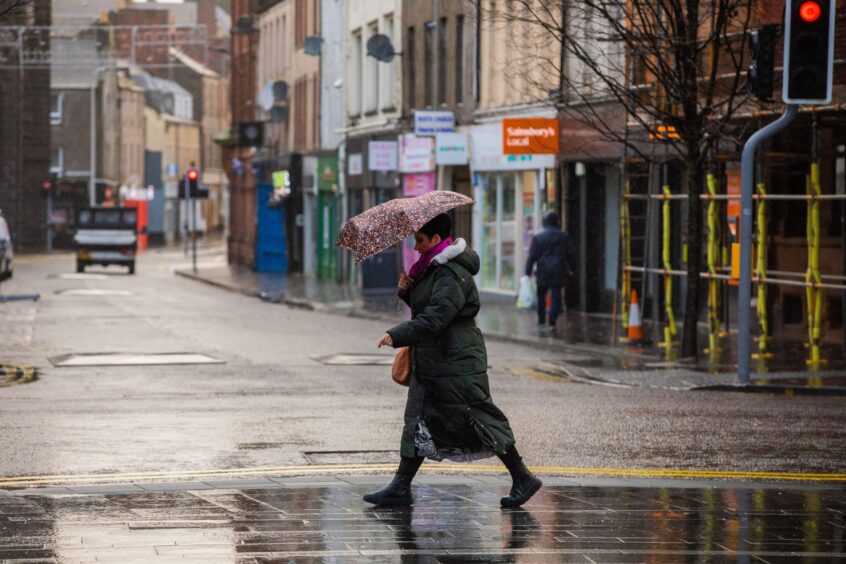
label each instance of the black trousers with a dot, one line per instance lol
(555, 310)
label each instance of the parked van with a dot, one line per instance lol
(106, 236)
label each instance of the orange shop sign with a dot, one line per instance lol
(530, 136)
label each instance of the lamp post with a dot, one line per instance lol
(92, 176)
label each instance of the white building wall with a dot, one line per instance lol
(362, 17)
(332, 72)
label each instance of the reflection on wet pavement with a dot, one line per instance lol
(449, 523)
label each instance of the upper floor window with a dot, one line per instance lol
(57, 101)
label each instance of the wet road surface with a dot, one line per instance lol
(272, 405)
(451, 521)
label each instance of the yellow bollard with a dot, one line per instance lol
(670, 328)
(713, 256)
(761, 274)
(814, 294)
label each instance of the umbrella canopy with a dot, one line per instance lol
(388, 224)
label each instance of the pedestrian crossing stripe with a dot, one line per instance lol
(68, 479)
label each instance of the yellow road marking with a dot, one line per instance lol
(23, 481)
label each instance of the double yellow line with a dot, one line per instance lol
(333, 469)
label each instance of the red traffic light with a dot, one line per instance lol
(810, 11)
(47, 185)
(193, 174)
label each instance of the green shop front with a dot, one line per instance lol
(328, 215)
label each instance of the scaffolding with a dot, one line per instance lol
(717, 274)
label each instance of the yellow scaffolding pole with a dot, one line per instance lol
(626, 235)
(761, 273)
(813, 293)
(714, 255)
(670, 328)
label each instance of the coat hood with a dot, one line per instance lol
(461, 254)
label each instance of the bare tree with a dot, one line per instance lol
(12, 8)
(659, 65)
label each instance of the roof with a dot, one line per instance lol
(192, 64)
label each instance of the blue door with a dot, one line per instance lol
(271, 253)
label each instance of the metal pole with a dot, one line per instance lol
(583, 242)
(747, 179)
(49, 219)
(185, 200)
(840, 189)
(193, 232)
(92, 161)
(92, 148)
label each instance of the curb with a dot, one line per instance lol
(220, 285)
(585, 376)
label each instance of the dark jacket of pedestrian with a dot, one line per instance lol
(449, 392)
(550, 250)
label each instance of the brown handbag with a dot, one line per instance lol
(401, 370)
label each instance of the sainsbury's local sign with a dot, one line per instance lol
(530, 136)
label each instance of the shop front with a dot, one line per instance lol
(512, 193)
(365, 188)
(328, 213)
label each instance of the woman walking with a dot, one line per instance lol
(449, 413)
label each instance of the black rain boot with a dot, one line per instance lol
(398, 492)
(524, 483)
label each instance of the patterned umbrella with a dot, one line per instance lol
(388, 224)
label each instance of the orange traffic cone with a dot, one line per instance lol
(635, 334)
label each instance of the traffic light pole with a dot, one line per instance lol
(193, 233)
(187, 199)
(747, 172)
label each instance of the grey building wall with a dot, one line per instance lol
(332, 61)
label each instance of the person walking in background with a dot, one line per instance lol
(550, 251)
(449, 413)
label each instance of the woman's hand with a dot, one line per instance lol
(404, 282)
(385, 341)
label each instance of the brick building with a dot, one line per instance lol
(25, 143)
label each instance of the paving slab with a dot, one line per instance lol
(607, 521)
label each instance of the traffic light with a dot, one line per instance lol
(808, 51)
(193, 176)
(762, 45)
(48, 188)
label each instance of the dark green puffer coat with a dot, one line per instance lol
(449, 390)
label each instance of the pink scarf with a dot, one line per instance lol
(427, 257)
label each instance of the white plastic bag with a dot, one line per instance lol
(526, 293)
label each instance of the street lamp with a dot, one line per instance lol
(92, 173)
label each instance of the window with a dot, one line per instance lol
(411, 62)
(371, 103)
(460, 54)
(300, 22)
(57, 161)
(443, 41)
(356, 80)
(389, 78)
(428, 63)
(57, 101)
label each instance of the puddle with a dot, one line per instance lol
(93, 292)
(351, 359)
(123, 359)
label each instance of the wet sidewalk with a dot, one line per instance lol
(583, 342)
(454, 519)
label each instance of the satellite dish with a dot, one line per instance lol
(265, 97)
(280, 91)
(244, 25)
(312, 45)
(279, 114)
(379, 47)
